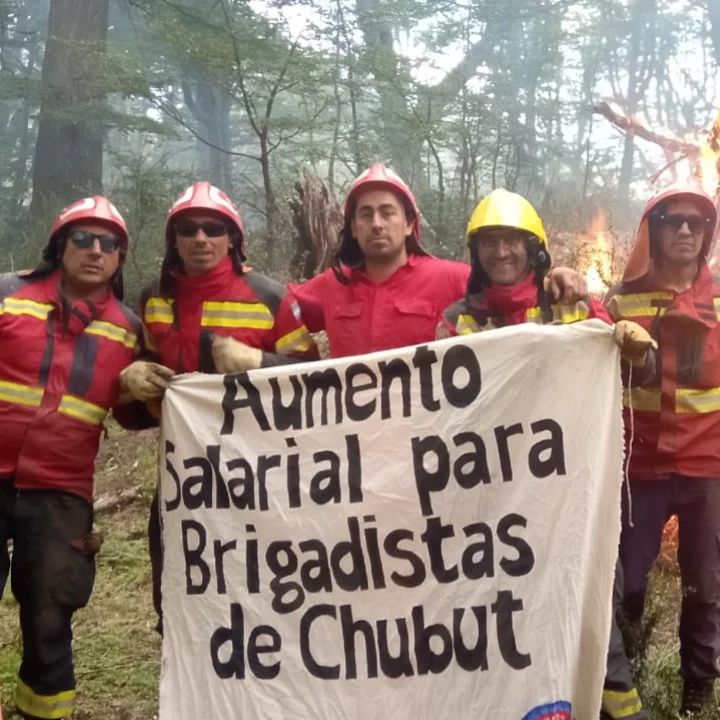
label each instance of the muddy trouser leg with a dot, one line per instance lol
(620, 698)
(7, 522)
(156, 557)
(640, 540)
(52, 576)
(697, 503)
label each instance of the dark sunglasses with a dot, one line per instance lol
(696, 223)
(189, 228)
(84, 239)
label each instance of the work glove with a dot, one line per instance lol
(634, 342)
(232, 356)
(145, 380)
(565, 286)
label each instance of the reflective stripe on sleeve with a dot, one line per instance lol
(641, 304)
(644, 399)
(299, 340)
(158, 310)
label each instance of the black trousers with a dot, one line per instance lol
(53, 572)
(155, 549)
(696, 502)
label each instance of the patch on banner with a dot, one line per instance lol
(559, 710)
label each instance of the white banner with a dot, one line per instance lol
(425, 533)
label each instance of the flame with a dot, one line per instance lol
(595, 255)
(708, 169)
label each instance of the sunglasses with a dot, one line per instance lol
(696, 223)
(189, 228)
(84, 239)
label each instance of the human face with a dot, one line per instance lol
(502, 253)
(201, 252)
(380, 227)
(86, 270)
(681, 245)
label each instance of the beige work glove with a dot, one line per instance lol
(234, 356)
(145, 380)
(634, 342)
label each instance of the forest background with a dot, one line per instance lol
(136, 99)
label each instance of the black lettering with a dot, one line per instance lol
(324, 672)
(426, 659)
(471, 468)
(471, 659)
(255, 649)
(428, 480)
(325, 484)
(231, 402)
(220, 549)
(282, 561)
(423, 360)
(354, 578)
(350, 628)
(474, 567)
(435, 533)
(197, 489)
(193, 556)
(175, 502)
(502, 434)
(460, 357)
(393, 550)
(396, 369)
(235, 666)
(553, 445)
(287, 417)
(503, 608)
(245, 498)
(355, 410)
(323, 381)
(524, 562)
(315, 572)
(400, 664)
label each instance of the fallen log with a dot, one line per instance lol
(105, 503)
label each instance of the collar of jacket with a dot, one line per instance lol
(504, 300)
(359, 274)
(211, 284)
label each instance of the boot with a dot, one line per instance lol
(698, 695)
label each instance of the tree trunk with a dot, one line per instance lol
(714, 13)
(69, 147)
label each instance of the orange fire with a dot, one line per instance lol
(595, 254)
(708, 163)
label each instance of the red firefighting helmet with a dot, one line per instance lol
(95, 208)
(205, 196)
(377, 177)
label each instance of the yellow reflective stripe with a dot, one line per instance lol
(620, 704)
(298, 340)
(158, 310)
(60, 705)
(641, 304)
(23, 306)
(690, 400)
(643, 399)
(82, 410)
(466, 325)
(716, 302)
(534, 314)
(112, 332)
(20, 394)
(567, 314)
(236, 314)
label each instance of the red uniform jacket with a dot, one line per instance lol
(364, 316)
(676, 399)
(246, 307)
(59, 367)
(502, 305)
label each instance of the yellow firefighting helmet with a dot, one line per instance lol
(502, 208)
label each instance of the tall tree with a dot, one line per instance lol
(69, 148)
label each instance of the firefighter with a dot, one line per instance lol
(65, 337)
(507, 286)
(209, 312)
(384, 291)
(673, 424)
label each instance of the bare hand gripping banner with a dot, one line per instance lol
(429, 532)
